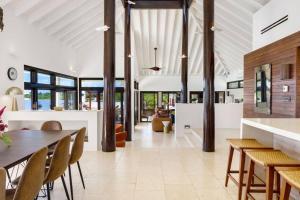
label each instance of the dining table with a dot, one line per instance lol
(27, 142)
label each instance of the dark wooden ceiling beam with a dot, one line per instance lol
(158, 4)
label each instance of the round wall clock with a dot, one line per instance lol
(12, 73)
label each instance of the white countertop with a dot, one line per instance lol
(286, 127)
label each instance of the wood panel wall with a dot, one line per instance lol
(284, 51)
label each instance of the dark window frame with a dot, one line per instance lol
(141, 102)
(34, 86)
(201, 95)
(99, 91)
(239, 82)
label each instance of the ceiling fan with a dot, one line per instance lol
(155, 68)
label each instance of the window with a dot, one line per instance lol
(45, 89)
(61, 81)
(91, 95)
(119, 83)
(27, 99)
(43, 78)
(92, 83)
(90, 100)
(44, 99)
(60, 99)
(149, 101)
(27, 76)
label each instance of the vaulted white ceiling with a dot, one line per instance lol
(73, 22)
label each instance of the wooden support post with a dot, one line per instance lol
(184, 60)
(127, 74)
(108, 135)
(209, 76)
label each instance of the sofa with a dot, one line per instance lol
(157, 125)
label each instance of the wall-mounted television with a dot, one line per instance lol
(263, 87)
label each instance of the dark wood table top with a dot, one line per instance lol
(27, 142)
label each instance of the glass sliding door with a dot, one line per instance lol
(66, 99)
(60, 99)
(71, 100)
(169, 99)
(90, 100)
(149, 102)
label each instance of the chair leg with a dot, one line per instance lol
(229, 165)
(241, 174)
(71, 183)
(65, 187)
(285, 191)
(249, 179)
(48, 191)
(278, 185)
(79, 168)
(270, 183)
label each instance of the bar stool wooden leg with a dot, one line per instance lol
(229, 165)
(270, 183)
(249, 179)
(285, 191)
(278, 185)
(241, 174)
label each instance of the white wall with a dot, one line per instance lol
(272, 12)
(173, 83)
(23, 44)
(90, 57)
(192, 114)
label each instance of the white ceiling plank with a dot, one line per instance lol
(199, 64)
(164, 32)
(85, 41)
(60, 13)
(44, 10)
(255, 3)
(170, 39)
(87, 28)
(25, 6)
(73, 28)
(74, 16)
(194, 45)
(178, 61)
(84, 37)
(176, 45)
(4, 3)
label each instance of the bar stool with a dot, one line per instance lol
(291, 178)
(268, 159)
(240, 145)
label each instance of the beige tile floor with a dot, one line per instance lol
(155, 166)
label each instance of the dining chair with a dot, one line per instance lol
(58, 165)
(76, 153)
(51, 126)
(31, 180)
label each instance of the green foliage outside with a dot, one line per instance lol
(149, 101)
(42, 96)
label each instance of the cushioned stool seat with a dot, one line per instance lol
(268, 160)
(291, 178)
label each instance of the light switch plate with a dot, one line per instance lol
(285, 88)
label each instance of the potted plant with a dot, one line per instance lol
(3, 136)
